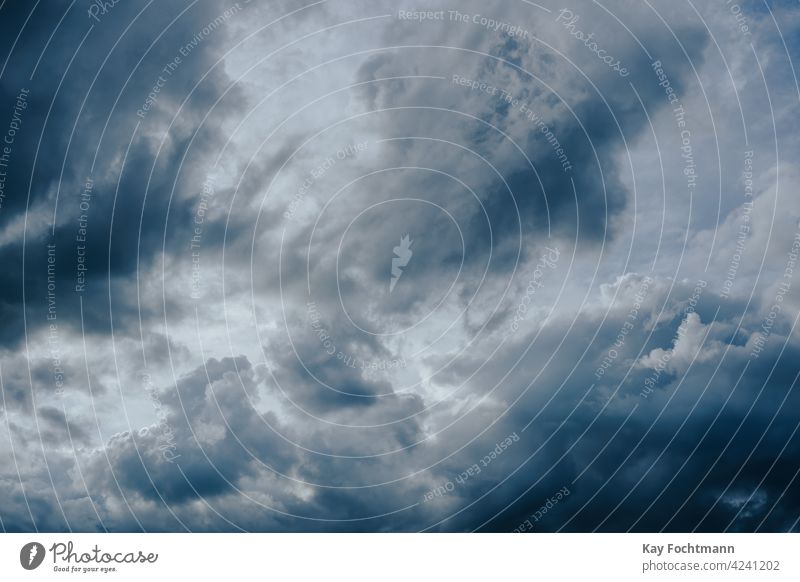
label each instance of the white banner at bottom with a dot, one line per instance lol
(377, 557)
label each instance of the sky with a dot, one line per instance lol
(373, 266)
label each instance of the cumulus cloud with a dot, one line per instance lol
(204, 324)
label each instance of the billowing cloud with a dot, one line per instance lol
(356, 266)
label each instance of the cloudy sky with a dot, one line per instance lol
(367, 265)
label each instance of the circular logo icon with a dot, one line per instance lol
(31, 555)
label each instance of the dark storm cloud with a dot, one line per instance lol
(592, 130)
(211, 462)
(311, 424)
(663, 465)
(129, 215)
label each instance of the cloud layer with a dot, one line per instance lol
(356, 266)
